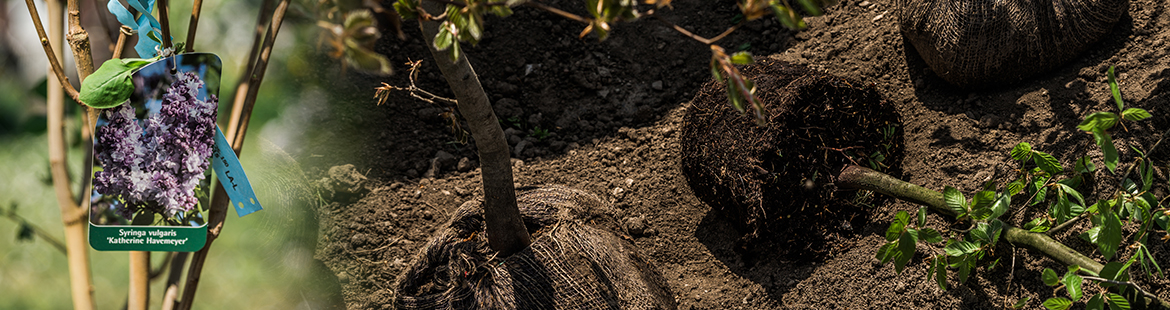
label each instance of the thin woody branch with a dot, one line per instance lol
(696, 37)
(195, 10)
(54, 64)
(219, 202)
(165, 21)
(558, 12)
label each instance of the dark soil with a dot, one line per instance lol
(614, 111)
(776, 180)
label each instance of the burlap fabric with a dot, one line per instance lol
(573, 262)
(980, 43)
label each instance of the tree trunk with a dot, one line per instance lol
(139, 288)
(505, 230)
(856, 177)
(72, 215)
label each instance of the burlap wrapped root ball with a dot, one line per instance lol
(775, 180)
(980, 43)
(574, 262)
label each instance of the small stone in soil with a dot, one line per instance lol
(519, 149)
(464, 165)
(446, 160)
(636, 225)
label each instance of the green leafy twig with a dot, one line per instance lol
(28, 230)
(857, 177)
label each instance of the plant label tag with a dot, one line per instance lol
(152, 154)
(231, 175)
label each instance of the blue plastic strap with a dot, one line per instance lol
(231, 175)
(145, 23)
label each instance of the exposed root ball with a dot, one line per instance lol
(776, 179)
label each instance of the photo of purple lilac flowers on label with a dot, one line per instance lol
(151, 180)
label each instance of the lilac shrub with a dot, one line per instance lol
(156, 163)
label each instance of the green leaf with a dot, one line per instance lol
(1041, 190)
(1150, 257)
(111, 84)
(788, 17)
(885, 253)
(1049, 277)
(921, 216)
(1105, 141)
(1117, 302)
(1135, 114)
(906, 247)
(982, 199)
(153, 37)
(1113, 88)
(735, 96)
(1098, 121)
(1091, 235)
(1057, 303)
(406, 9)
(1072, 282)
(979, 233)
(955, 201)
(1062, 209)
(145, 217)
(1020, 304)
(930, 235)
(1015, 187)
(960, 247)
(996, 229)
(1095, 303)
(895, 231)
(964, 270)
(1039, 224)
(982, 213)
(1000, 206)
(940, 266)
(810, 7)
(1047, 163)
(1110, 238)
(1022, 151)
(715, 72)
(742, 58)
(25, 232)
(902, 217)
(1071, 192)
(444, 39)
(1147, 172)
(1085, 165)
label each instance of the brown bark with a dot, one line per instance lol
(197, 7)
(505, 230)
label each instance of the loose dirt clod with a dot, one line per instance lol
(776, 179)
(574, 262)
